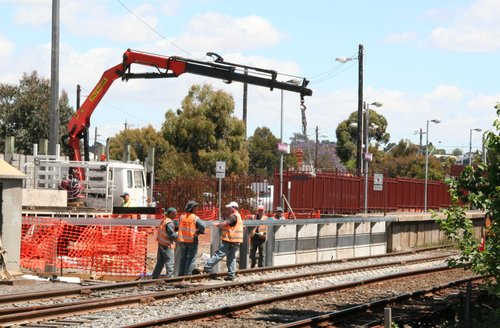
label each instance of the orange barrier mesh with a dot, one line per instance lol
(49, 244)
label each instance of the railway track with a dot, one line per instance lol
(225, 316)
(56, 305)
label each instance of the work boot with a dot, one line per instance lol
(252, 265)
(227, 278)
(212, 276)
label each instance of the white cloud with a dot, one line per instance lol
(78, 19)
(224, 33)
(35, 13)
(476, 28)
(400, 37)
(6, 49)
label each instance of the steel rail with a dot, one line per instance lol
(88, 290)
(244, 306)
(329, 317)
(23, 315)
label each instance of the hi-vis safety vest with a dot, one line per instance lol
(233, 234)
(162, 237)
(187, 228)
(262, 229)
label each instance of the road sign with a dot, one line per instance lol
(284, 148)
(220, 170)
(378, 182)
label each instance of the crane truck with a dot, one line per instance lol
(102, 183)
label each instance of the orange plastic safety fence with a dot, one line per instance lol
(49, 244)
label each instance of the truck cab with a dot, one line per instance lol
(129, 178)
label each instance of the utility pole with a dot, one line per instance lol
(359, 155)
(245, 99)
(316, 151)
(95, 143)
(54, 81)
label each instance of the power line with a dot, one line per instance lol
(152, 28)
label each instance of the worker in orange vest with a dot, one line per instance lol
(190, 226)
(258, 238)
(166, 242)
(231, 238)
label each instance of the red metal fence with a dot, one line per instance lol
(325, 192)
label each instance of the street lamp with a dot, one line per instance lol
(427, 160)
(359, 150)
(295, 82)
(470, 143)
(367, 141)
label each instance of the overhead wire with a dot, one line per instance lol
(153, 29)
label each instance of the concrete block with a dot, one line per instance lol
(44, 197)
(306, 257)
(378, 249)
(343, 253)
(327, 255)
(283, 259)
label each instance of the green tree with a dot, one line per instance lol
(140, 140)
(457, 152)
(204, 131)
(347, 136)
(403, 160)
(478, 186)
(262, 149)
(24, 112)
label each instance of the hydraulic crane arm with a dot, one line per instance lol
(169, 67)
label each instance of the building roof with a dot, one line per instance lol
(7, 171)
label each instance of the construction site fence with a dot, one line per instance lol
(100, 246)
(308, 193)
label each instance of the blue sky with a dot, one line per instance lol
(423, 59)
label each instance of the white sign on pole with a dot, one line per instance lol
(220, 170)
(378, 181)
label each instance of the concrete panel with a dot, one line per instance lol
(329, 229)
(285, 246)
(285, 232)
(327, 243)
(378, 249)
(307, 242)
(378, 227)
(306, 257)
(362, 239)
(327, 255)
(395, 236)
(44, 197)
(283, 259)
(420, 235)
(343, 253)
(10, 229)
(413, 235)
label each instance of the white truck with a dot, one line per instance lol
(50, 186)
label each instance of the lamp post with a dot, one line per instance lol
(470, 143)
(359, 150)
(427, 160)
(295, 82)
(367, 143)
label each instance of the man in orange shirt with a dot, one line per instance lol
(231, 238)
(166, 238)
(190, 226)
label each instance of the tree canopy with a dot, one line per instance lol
(203, 131)
(479, 187)
(24, 112)
(264, 156)
(347, 136)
